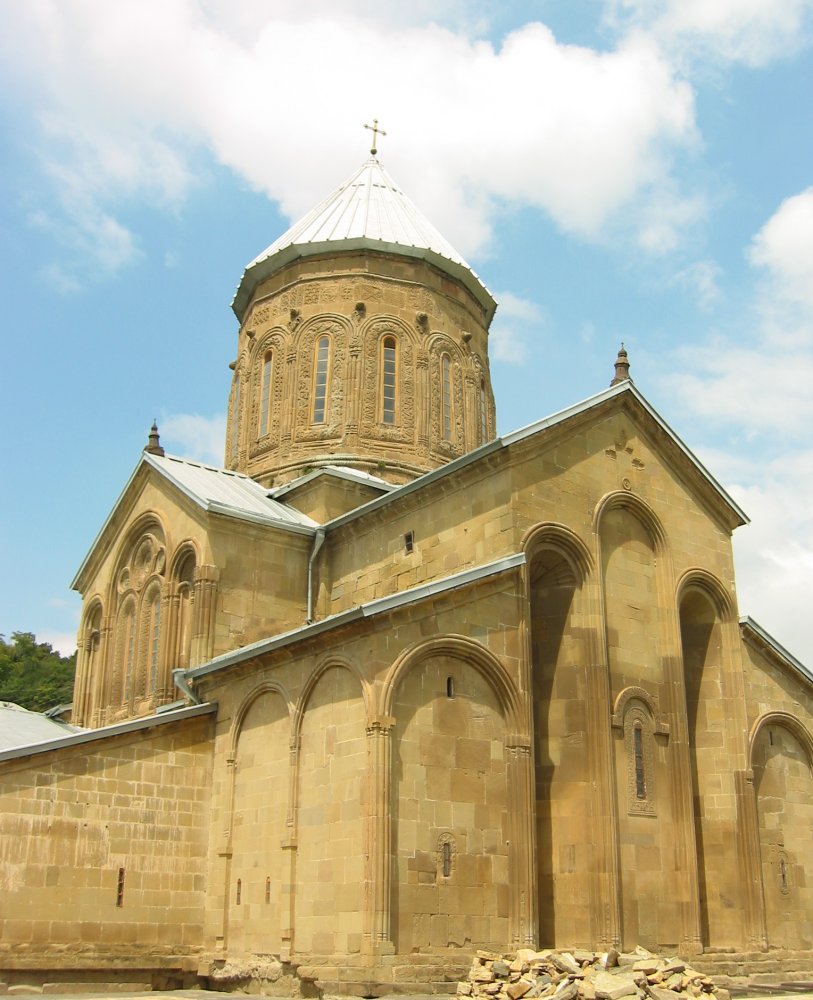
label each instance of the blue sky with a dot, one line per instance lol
(636, 170)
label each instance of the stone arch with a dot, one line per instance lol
(338, 329)
(781, 756)
(701, 580)
(139, 578)
(142, 525)
(453, 711)
(188, 547)
(373, 332)
(330, 662)
(787, 721)
(561, 539)
(626, 500)
(330, 743)
(438, 346)
(462, 648)
(266, 687)
(650, 703)
(90, 647)
(261, 438)
(259, 775)
(708, 641)
(557, 566)
(637, 594)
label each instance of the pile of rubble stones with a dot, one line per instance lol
(570, 975)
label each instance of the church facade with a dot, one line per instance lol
(388, 688)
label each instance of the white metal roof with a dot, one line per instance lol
(338, 472)
(368, 211)
(219, 491)
(226, 492)
(20, 727)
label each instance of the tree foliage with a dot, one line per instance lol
(33, 674)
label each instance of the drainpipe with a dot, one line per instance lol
(318, 540)
(181, 683)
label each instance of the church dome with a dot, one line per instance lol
(363, 343)
(368, 211)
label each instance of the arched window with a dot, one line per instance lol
(389, 363)
(483, 413)
(183, 631)
(446, 397)
(127, 638)
(235, 418)
(266, 373)
(153, 631)
(320, 382)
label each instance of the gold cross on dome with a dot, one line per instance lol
(376, 132)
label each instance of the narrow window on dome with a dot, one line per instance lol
(265, 394)
(483, 413)
(120, 888)
(389, 361)
(238, 896)
(235, 418)
(322, 370)
(446, 396)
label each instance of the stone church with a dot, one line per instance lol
(388, 688)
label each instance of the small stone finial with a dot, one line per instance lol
(622, 367)
(153, 445)
(376, 133)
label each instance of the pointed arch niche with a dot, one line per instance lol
(705, 613)
(632, 546)
(782, 761)
(557, 565)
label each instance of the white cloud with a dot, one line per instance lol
(774, 554)
(128, 96)
(752, 32)
(784, 248)
(516, 318)
(701, 279)
(63, 642)
(190, 435)
(759, 380)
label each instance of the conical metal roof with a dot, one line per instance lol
(369, 211)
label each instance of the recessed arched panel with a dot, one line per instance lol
(330, 820)
(258, 824)
(783, 785)
(450, 884)
(563, 791)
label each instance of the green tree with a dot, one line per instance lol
(33, 674)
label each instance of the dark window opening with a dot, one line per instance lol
(120, 889)
(446, 854)
(409, 542)
(450, 687)
(783, 875)
(638, 748)
(239, 896)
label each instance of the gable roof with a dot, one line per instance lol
(752, 631)
(368, 212)
(217, 491)
(621, 389)
(336, 472)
